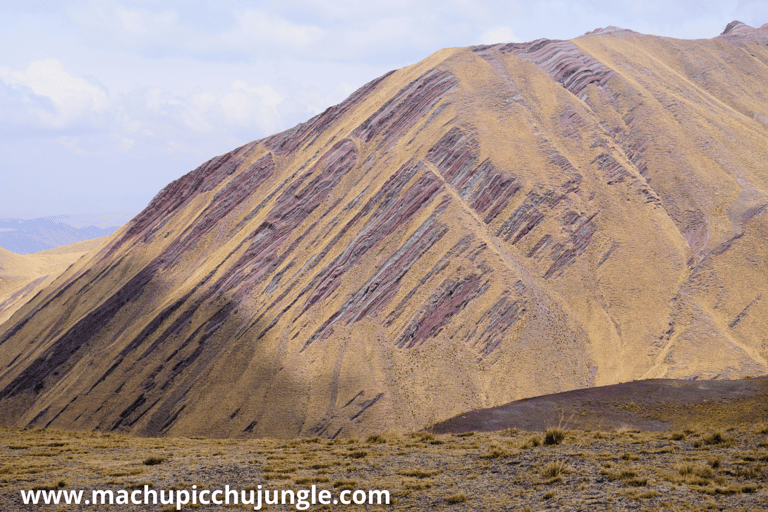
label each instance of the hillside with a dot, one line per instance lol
(490, 224)
(22, 276)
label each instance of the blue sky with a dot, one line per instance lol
(102, 103)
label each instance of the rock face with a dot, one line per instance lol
(490, 224)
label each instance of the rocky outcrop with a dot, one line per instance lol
(563, 61)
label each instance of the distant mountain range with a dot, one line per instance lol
(27, 236)
(489, 224)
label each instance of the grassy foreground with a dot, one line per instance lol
(511, 470)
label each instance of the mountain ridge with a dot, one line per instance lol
(492, 223)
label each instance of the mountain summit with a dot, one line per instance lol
(492, 223)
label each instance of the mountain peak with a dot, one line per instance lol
(734, 26)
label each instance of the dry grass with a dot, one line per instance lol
(481, 471)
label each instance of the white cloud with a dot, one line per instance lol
(51, 97)
(258, 27)
(501, 34)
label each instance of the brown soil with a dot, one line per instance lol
(649, 405)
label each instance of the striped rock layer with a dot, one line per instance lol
(492, 223)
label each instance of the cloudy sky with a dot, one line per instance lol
(104, 102)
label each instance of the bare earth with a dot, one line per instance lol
(649, 405)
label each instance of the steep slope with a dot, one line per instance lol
(22, 276)
(492, 223)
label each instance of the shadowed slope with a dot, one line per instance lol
(489, 224)
(648, 405)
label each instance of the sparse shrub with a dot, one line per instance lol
(456, 498)
(153, 461)
(554, 436)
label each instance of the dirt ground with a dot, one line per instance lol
(648, 405)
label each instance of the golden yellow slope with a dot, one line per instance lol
(490, 224)
(22, 276)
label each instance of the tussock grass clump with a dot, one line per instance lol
(456, 498)
(554, 436)
(553, 469)
(695, 470)
(495, 451)
(533, 442)
(716, 439)
(420, 473)
(154, 461)
(729, 490)
(276, 476)
(310, 480)
(279, 469)
(345, 485)
(750, 472)
(51, 487)
(141, 485)
(416, 485)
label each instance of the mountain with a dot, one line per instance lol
(492, 223)
(22, 276)
(27, 236)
